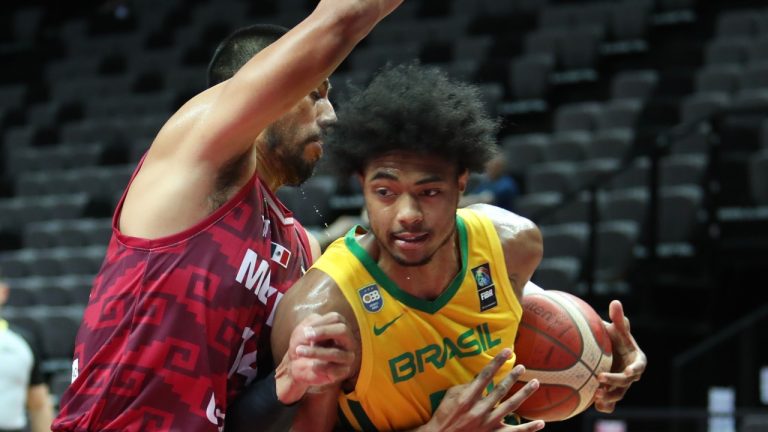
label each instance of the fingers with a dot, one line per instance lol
(482, 380)
(326, 354)
(513, 402)
(620, 321)
(502, 389)
(625, 378)
(337, 334)
(327, 329)
(526, 427)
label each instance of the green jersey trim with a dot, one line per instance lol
(381, 278)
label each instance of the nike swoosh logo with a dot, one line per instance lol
(379, 330)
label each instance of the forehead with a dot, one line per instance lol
(404, 164)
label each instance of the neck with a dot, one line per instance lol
(426, 281)
(268, 167)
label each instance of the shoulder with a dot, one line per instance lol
(315, 292)
(511, 227)
(520, 239)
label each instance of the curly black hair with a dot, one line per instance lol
(415, 108)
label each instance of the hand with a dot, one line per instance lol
(320, 354)
(465, 409)
(629, 361)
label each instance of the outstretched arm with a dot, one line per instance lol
(216, 129)
(227, 117)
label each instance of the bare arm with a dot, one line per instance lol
(220, 125)
(314, 309)
(40, 408)
(235, 111)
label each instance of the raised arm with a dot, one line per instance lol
(273, 80)
(218, 127)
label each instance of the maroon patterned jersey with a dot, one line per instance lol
(175, 327)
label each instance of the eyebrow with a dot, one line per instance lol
(387, 176)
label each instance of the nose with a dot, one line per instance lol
(409, 213)
(326, 115)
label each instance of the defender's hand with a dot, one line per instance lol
(321, 353)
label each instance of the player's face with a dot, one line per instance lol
(297, 137)
(411, 201)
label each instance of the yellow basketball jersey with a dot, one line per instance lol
(413, 350)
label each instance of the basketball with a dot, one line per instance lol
(561, 342)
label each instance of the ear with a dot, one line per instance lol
(463, 179)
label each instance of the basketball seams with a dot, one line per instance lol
(582, 322)
(581, 375)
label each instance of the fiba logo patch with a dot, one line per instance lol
(486, 290)
(371, 298)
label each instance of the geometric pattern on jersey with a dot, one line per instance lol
(176, 327)
(413, 350)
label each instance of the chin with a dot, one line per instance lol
(412, 263)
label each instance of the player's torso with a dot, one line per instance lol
(15, 366)
(414, 350)
(176, 327)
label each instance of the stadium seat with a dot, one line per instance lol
(730, 50)
(577, 116)
(679, 217)
(682, 169)
(614, 255)
(700, 106)
(538, 207)
(612, 144)
(738, 23)
(522, 151)
(630, 204)
(620, 114)
(569, 146)
(634, 84)
(561, 273)
(529, 76)
(758, 174)
(551, 177)
(718, 78)
(566, 240)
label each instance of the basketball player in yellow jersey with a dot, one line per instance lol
(431, 293)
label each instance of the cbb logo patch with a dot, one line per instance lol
(371, 298)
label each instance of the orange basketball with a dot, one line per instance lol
(562, 342)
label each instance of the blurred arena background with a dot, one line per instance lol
(636, 129)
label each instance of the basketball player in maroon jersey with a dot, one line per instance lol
(202, 250)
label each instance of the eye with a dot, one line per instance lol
(315, 95)
(383, 192)
(431, 192)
